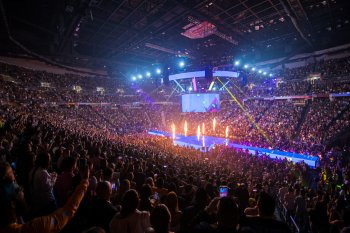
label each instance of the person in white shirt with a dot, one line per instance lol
(41, 184)
(130, 219)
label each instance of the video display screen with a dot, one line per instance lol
(202, 102)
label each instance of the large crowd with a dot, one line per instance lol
(93, 168)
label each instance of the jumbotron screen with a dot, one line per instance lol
(200, 102)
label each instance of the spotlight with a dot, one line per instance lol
(253, 69)
(148, 74)
(158, 71)
(139, 76)
(237, 63)
(270, 75)
(259, 71)
(214, 88)
(264, 73)
(168, 68)
(190, 89)
(181, 64)
(133, 78)
(246, 66)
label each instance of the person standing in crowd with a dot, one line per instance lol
(41, 184)
(8, 187)
(319, 217)
(301, 215)
(64, 183)
(227, 215)
(101, 211)
(130, 219)
(145, 198)
(220, 216)
(171, 201)
(289, 199)
(124, 187)
(160, 220)
(192, 211)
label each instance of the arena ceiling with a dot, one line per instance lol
(96, 32)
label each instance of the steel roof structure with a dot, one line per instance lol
(126, 32)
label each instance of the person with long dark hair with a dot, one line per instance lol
(145, 196)
(172, 203)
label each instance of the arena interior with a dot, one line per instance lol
(175, 116)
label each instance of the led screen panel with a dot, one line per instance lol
(203, 102)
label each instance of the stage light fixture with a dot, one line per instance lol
(264, 73)
(270, 75)
(237, 63)
(139, 76)
(158, 71)
(133, 78)
(259, 71)
(148, 74)
(190, 89)
(246, 66)
(253, 69)
(181, 64)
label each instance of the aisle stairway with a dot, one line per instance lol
(148, 119)
(304, 113)
(121, 110)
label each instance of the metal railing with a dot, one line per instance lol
(286, 217)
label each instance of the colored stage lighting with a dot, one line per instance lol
(139, 76)
(246, 66)
(181, 64)
(133, 78)
(158, 71)
(237, 63)
(148, 74)
(211, 85)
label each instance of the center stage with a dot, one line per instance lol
(207, 143)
